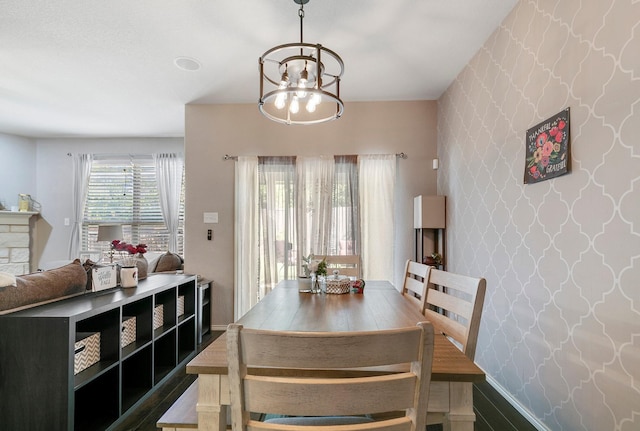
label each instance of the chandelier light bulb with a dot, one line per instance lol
(314, 101)
(284, 80)
(295, 106)
(280, 100)
(302, 82)
(311, 106)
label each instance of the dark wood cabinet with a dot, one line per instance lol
(429, 222)
(204, 307)
(38, 387)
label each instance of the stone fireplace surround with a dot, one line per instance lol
(15, 241)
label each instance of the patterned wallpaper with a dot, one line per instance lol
(561, 325)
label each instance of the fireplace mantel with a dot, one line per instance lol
(10, 216)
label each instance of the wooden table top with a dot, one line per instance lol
(380, 307)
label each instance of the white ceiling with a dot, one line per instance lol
(97, 68)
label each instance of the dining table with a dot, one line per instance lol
(381, 306)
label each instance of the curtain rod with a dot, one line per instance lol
(121, 156)
(398, 155)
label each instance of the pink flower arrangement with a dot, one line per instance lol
(118, 245)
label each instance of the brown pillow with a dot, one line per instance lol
(43, 286)
(143, 267)
(169, 262)
(88, 266)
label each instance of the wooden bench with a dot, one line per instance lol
(182, 415)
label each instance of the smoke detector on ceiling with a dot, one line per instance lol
(187, 63)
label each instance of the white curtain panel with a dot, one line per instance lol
(276, 225)
(345, 219)
(169, 167)
(246, 235)
(314, 213)
(81, 173)
(377, 177)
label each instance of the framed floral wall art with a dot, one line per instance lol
(547, 149)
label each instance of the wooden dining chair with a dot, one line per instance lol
(454, 306)
(348, 264)
(305, 376)
(414, 286)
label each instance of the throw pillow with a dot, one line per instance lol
(143, 267)
(7, 279)
(169, 262)
(43, 286)
(88, 266)
(152, 258)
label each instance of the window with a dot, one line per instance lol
(288, 207)
(305, 205)
(123, 190)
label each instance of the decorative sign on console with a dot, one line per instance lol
(104, 277)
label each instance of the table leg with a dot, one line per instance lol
(460, 416)
(212, 413)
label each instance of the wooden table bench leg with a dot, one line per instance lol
(460, 416)
(212, 414)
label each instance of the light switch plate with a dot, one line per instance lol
(211, 217)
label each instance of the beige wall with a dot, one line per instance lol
(212, 131)
(561, 325)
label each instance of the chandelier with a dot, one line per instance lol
(300, 82)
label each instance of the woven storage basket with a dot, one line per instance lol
(180, 305)
(158, 316)
(338, 285)
(128, 331)
(86, 351)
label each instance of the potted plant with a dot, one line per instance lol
(304, 279)
(434, 260)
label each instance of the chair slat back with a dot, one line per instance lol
(459, 299)
(415, 283)
(299, 374)
(348, 264)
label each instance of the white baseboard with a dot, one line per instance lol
(516, 405)
(219, 327)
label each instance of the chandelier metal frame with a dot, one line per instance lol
(300, 73)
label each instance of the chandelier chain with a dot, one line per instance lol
(301, 15)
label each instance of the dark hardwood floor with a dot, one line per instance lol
(145, 416)
(493, 412)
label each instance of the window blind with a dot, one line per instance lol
(123, 190)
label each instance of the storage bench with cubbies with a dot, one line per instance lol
(84, 362)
